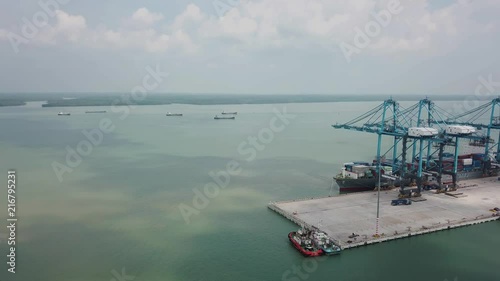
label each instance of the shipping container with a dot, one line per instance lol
(360, 169)
(478, 156)
(467, 161)
(422, 132)
(459, 130)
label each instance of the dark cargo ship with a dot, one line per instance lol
(362, 176)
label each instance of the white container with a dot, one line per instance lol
(347, 174)
(360, 169)
(422, 132)
(459, 130)
(467, 161)
(471, 129)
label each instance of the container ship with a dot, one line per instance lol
(362, 176)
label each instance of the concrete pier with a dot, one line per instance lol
(341, 216)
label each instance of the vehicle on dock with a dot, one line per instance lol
(302, 241)
(403, 201)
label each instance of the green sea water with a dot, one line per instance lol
(118, 210)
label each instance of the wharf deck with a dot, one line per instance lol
(341, 216)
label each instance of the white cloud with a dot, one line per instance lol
(263, 24)
(73, 29)
(67, 27)
(306, 23)
(191, 15)
(147, 39)
(71, 26)
(144, 16)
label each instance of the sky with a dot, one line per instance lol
(250, 46)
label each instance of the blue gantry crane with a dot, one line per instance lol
(425, 130)
(486, 116)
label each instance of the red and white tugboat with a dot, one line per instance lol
(302, 241)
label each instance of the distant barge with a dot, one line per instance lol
(96, 111)
(224, 117)
(173, 114)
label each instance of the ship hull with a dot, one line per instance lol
(358, 185)
(469, 175)
(328, 252)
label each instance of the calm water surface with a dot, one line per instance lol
(118, 209)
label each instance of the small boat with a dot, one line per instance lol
(325, 243)
(173, 114)
(229, 113)
(224, 117)
(96, 111)
(303, 242)
(63, 113)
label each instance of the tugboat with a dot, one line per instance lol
(229, 113)
(224, 117)
(325, 243)
(302, 241)
(64, 113)
(174, 114)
